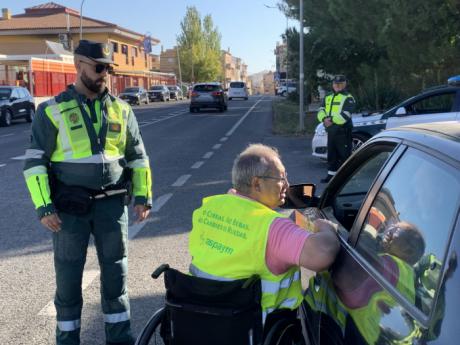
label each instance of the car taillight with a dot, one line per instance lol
(194, 94)
(216, 93)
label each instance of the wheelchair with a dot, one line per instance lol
(201, 311)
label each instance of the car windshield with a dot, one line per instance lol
(158, 87)
(206, 88)
(132, 89)
(237, 85)
(5, 94)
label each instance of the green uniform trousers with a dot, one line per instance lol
(108, 222)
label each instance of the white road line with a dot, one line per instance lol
(181, 180)
(216, 147)
(88, 277)
(156, 121)
(19, 158)
(6, 135)
(2, 165)
(208, 155)
(160, 201)
(197, 165)
(230, 132)
(223, 139)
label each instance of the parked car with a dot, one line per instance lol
(159, 92)
(238, 89)
(175, 92)
(441, 103)
(15, 102)
(397, 204)
(285, 89)
(135, 95)
(208, 95)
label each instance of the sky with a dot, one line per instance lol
(247, 27)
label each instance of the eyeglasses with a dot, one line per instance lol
(100, 67)
(283, 179)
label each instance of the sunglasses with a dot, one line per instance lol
(100, 67)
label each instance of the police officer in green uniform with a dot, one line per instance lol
(335, 114)
(86, 152)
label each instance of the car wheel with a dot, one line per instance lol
(163, 98)
(147, 101)
(283, 94)
(245, 98)
(230, 98)
(225, 107)
(30, 115)
(6, 118)
(357, 141)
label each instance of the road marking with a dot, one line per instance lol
(19, 158)
(181, 180)
(156, 121)
(197, 165)
(6, 135)
(160, 201)
(230, 132)
(223, 139)
(216, 147)
(2, 165)
(208, 155)
(88, 277)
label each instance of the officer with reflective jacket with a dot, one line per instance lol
(86, 152)
(335, 114)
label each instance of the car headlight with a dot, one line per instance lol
(320, 130)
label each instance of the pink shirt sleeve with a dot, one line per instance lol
(284, 245)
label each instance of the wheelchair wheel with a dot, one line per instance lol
(150, 334)
(284, 332)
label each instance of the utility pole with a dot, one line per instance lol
(178, 63)
(81, 14)
(301, 75)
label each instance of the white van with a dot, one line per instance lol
(237, 89)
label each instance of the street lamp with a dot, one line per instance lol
(81, 14)
(301, 76)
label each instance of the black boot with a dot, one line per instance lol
(327, 178)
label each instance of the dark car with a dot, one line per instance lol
(208, 95)
(159, 92)
(175, 92)
(15, 102)
(135, 95)
(397, 203)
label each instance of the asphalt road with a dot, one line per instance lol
(191, 157)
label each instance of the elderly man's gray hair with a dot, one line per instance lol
(255, 160)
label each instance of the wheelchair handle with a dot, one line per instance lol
(159, 270)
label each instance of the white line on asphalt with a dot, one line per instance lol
(159, 202)
(208, 155)
(197, 165)
(230, 132)
(223, 139)
(2, 165)
(88, 277)
(216, 147)
(19, 158)
(6, 135)
(156, 121)
(181, 180)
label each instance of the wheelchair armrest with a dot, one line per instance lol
(159, 270)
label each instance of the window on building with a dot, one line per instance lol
(115, 47)
(124, 49)
(134, 51)
(145, 60)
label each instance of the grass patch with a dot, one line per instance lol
(286, 119)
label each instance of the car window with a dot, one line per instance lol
(237, 85)
(407, 228)
(159, 87)
(131, 89)
(15, 93)
(21, 93)
(206, 88)
(5, 93)
(350, 197)
(441, 103)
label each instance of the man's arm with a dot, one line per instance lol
(320, 248)
(322, 111)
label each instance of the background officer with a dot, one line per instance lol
(86, 140)
(335, 113)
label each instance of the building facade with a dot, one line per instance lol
(234, 69)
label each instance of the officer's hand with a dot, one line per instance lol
(327, 122)
(52, 222)
(142, 212)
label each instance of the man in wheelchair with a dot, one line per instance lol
(245, 277)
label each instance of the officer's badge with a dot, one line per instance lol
(106, 50)
(74, 118)
(115, 127)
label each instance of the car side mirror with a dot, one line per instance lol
(401, 111)
(301, 196)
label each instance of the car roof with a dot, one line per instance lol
(210, 83)
(443, 137)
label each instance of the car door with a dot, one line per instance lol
(390, 282)
(430, 108)
(17, 103)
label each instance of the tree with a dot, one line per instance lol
(199, 48)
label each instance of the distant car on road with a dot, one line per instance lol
(175, 92)
(440, 103)
(159, 92)
(15, 102)
(135, 95)
(208, 95)
(238, 89)
(284, 90)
